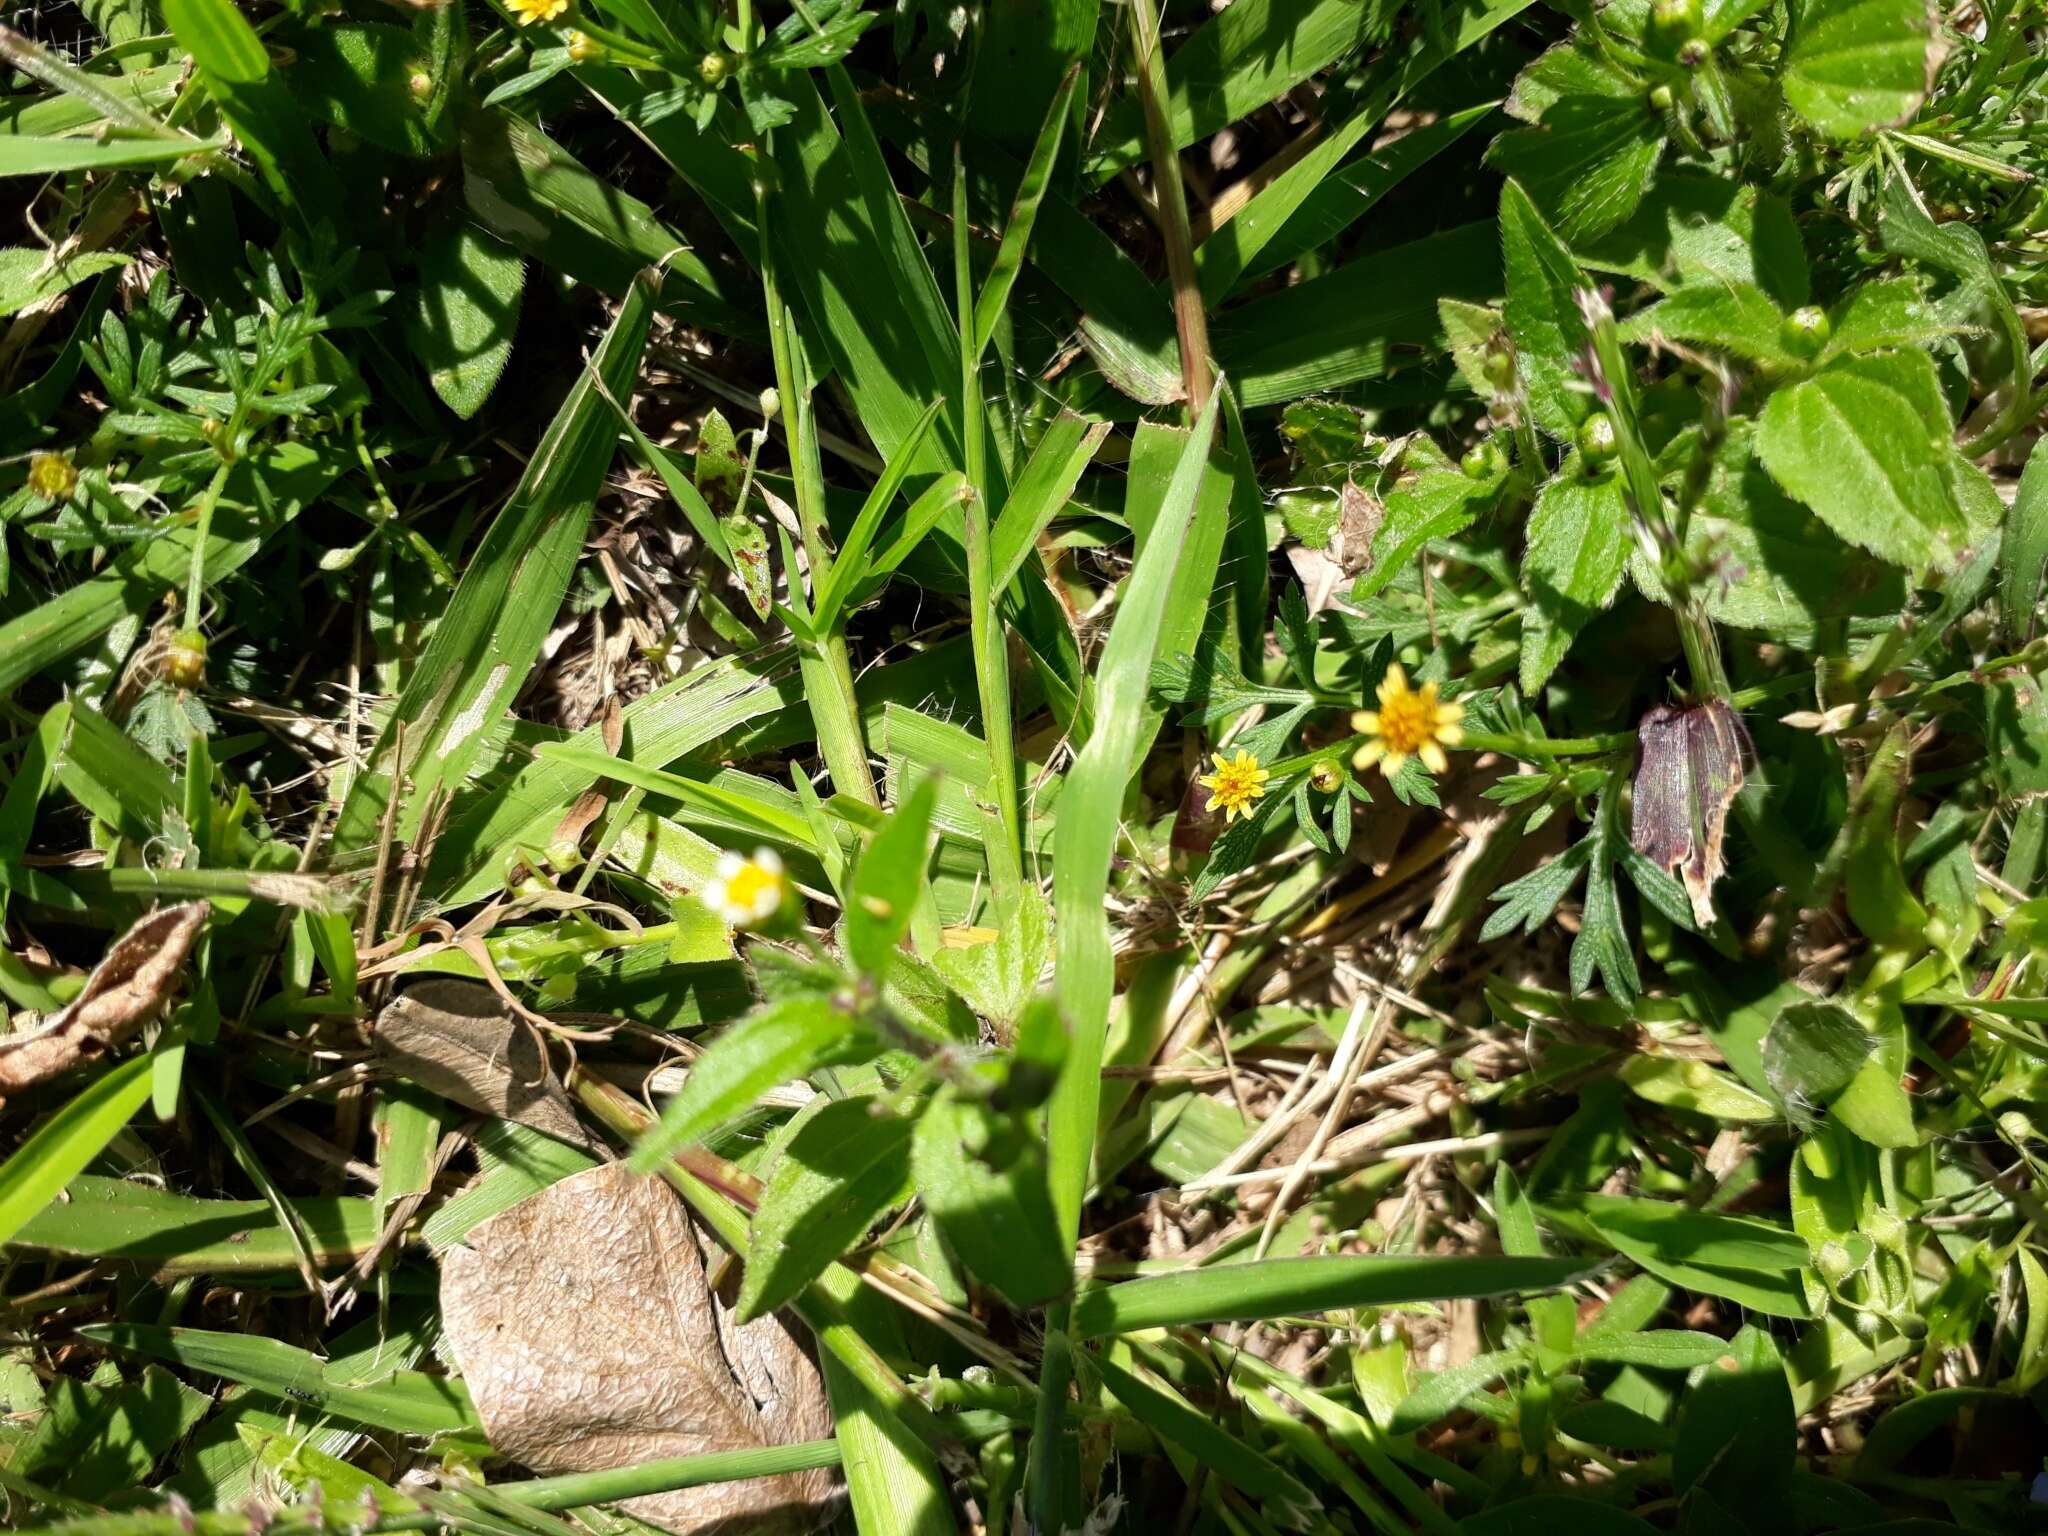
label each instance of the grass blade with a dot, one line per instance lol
(487, 641)
(67, 1141)
(1090, 812)
(1002, 276)
(1273, 1287)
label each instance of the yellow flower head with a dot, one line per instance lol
(530, 11)
(1410, 722)
(52, 477)
(748, 892)
(583, 47)
(1236, 785)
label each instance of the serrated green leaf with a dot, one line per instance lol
(889, 881)
(2023, 552)
(982, 1176)
(1853, 65)
(1578, 548)
(1865, 444)
(1542, 314)
(1588, 162)
(843, 1168)
(1736, 317)
(467, 312)
(784, 1041)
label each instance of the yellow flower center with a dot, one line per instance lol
(1409, 720)
(754, 888)
(1236, 785)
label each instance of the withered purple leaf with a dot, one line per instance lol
(1689, 773)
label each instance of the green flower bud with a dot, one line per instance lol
(185, 659)
(1661, 98)
(1598, 443)
(1483, 461)
(1806, 331)
(1327, 776)
(713, 68)
(1672, 24)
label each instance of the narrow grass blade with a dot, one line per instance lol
(1042, 489)
(487, 641)
(850, 567)
(411, 1402)
(47, 157)
(1002, 276)
(1091, 810)
(63, 1144)
(1277, 1287)
(104, 1218)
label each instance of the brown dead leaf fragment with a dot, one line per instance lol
(456, 1039)
(590, 1339)
(126, 988)
(1689, 773)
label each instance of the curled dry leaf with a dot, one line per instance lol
(455, 1038)
(125, 989)
(590, 1339)
(1690, 771)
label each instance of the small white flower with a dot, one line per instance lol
(748, 891)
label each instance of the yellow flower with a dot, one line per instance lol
(748, 891)
(1410, 722)
(530, 11)
(583, 47)
(51, 476)
(1236, 785)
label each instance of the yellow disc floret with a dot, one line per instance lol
(1236, 785)
(1410, 722)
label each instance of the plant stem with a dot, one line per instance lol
(1189, 318)
(991, 659)
(1660, 540)
(827, 669)
(195, 580)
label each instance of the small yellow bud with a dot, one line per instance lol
(52, 476)
(583, 47)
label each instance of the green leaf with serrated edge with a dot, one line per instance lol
(2023, 552)
(1603, 945)
(1542, 315)
(889, 881)
(1441, 1393)
(463, 322)
(1588, 162)
(1775, 566)
(1437, 504)
(842, 1169)
(1865, 444)
(1695, 1087)
(1853, 65)
(1527, 901)
(786, 1040)
(1886, 314)
(1735, 317)
(1578, 548)
(1693, 228)
(982, 1176)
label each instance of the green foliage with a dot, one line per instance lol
(1269, 697)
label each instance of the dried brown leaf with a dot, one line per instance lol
(455, 1038)
(126, 988)
(590, 1339)
(1690, 772)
